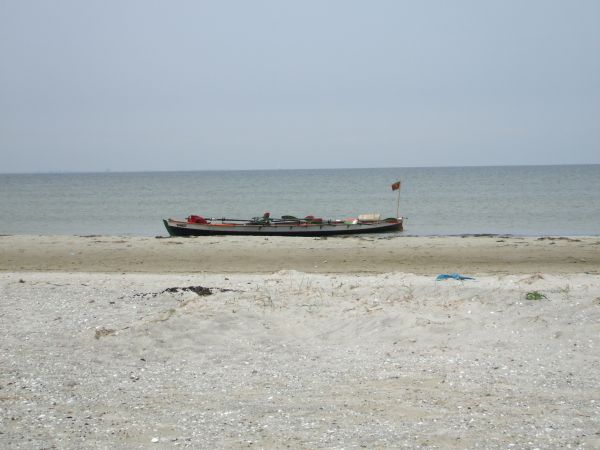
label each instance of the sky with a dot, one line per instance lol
(195, 85)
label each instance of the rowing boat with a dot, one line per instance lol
(286, 226)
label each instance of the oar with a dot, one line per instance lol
(223, 219)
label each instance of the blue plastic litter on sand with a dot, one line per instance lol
(455, 276)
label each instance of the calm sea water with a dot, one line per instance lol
(532, 200)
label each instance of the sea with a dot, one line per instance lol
(507, 200)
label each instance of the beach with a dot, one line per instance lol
(134, 342)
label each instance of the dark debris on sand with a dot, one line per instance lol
(198, 290)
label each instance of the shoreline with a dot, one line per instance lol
(481, 254)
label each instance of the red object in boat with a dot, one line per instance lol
(196, 219)
(313, 219)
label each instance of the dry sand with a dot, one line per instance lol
(278, 358)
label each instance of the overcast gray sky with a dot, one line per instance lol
(194, 85)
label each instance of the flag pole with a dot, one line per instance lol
(398, 205)
(396, 187)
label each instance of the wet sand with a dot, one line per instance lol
(364, 254)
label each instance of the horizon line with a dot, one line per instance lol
(107, 171)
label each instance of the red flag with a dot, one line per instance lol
(396, 186)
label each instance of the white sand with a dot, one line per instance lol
(292, 359)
